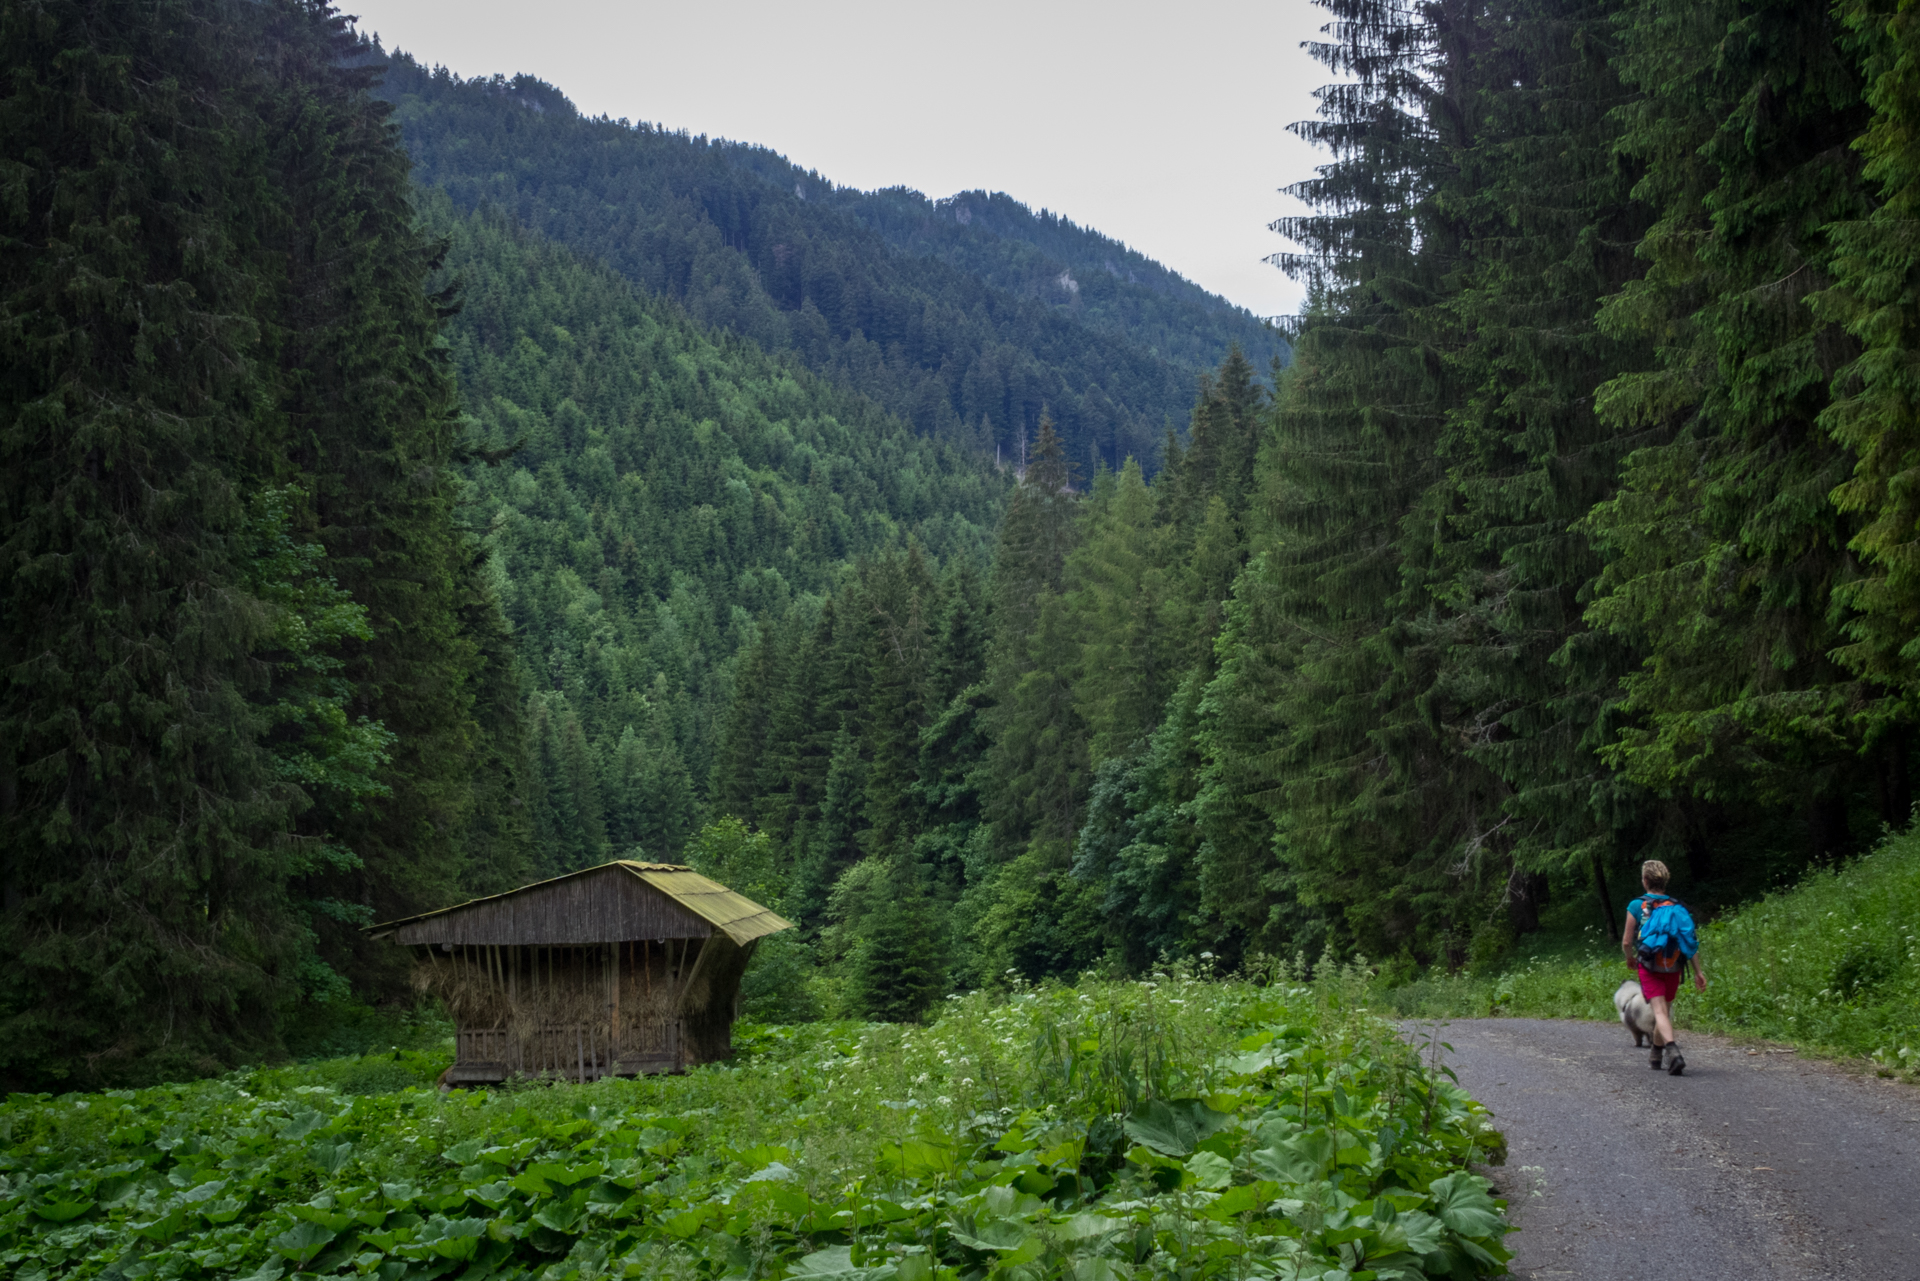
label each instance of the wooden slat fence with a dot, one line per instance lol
(574, 1052)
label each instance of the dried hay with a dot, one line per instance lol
(549, 1002)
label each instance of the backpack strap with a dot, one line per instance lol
(1649, 901)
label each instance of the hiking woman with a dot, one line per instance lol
(1669, 948)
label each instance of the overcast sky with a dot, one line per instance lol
(1162, 125)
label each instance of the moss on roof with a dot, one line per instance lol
(733, 914)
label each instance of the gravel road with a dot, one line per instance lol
(1757, 1164)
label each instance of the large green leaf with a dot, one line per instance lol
(1211, 1171)
(60, 1210)
(658, 1141)
(560, 1215)
(330, 1156)
(835, 1260)
(452, 1238)
(1415, 1231)
(1174, 1127)
(492, 1195)
(302, 1124)
(225, 1210)
(1000, 1235)
(1461, 1201)
(687, 1222)
(919, 1158)
(324, 1215)
(541, 1178)
(302, 1241)
(1305, 1158)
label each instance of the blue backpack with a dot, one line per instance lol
(1667, 938)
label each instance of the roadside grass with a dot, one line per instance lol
(1180, 1126)
(1831, 965)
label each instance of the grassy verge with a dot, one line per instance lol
(1831, 965)
(1178, 1126)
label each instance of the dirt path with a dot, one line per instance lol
(1752, 1166)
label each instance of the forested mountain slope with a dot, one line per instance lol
(965, 337)
(674, 490)
(1101, 282)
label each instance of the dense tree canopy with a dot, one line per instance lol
(677, 502)
(245, 640)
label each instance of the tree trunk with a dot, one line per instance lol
(1526, 895)
(1827, 825)
(1896, 781)
(1605, 895)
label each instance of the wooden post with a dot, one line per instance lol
(613, 1046)
(687, 987)
(495, 977)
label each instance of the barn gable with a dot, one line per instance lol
(620, 900)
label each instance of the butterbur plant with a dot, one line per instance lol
(1174, 1127)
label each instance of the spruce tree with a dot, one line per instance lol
(1548, 226)
(1725, 550)
(899, 966)
(1037, 760)
(1875, 273)
(1123, 600)
(745, 738)
(900, 596)
(1367, 802)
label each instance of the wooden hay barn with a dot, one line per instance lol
(612, 971)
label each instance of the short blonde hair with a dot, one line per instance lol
(1654, 874)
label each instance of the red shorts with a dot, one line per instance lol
(1653, 983)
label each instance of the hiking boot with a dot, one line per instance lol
(1653, 1057)
(1676, 1063)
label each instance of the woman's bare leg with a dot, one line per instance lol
(1662, 1021)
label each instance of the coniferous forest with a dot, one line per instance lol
(410, 488)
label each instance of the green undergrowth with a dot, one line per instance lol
(1831, 965)
(348, 1029)
(1179, 1126)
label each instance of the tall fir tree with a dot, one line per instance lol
(1366, 802)
(1037, 759)
(1876, 295)
(1725, 550)
(229, 451)
(1544, 197)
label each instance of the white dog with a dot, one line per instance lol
(1635, 1013)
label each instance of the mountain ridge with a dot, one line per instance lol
(967, 339)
